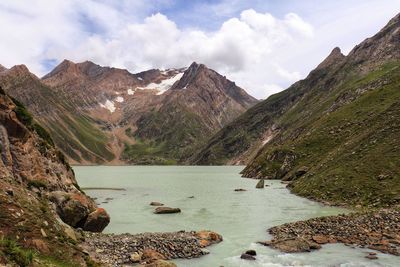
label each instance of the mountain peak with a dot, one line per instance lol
(334, 57)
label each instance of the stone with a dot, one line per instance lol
(371, 257)
(207, 238)
(70, 233)
(165, 210)
(260, 184)
(156, 204)
(240, 190)
(320, 239)
(245, 256)
(295, 245)
(136, 257)
(251, 252)
(97, 221)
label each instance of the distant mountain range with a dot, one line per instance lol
(334, 135)
(103, 115)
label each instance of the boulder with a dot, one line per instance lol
(295, 245)
(251, 252)
(245, 256)
(165, 210)
(73, 211)
(240, 190)
(97, 221)
(260, 184)
(207, 238)
(156, 204)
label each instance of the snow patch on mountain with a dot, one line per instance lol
(164, 85)
(140, 78)
(108, 105)
(130, 91)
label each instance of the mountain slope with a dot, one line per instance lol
(334, 135)
(33, 175)
(107, 115)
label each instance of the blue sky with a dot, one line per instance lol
(264, 46)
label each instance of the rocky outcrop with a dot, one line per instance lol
(39, 195)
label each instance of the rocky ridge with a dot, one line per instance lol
(108, 115)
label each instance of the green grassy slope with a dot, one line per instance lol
(350, 153)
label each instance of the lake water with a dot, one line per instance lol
(242, 218)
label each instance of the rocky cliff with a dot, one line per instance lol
(107, 115)
(40, 201)
(333, 135)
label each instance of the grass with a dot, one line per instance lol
(351, 151)
(15, 253)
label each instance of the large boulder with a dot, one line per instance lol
(97, 221)
(165, 210)
(207, 238)
(71, 208)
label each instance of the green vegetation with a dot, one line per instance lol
(347, 138)
(15, 253)
(26, 118)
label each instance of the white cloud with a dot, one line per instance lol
(261, 52)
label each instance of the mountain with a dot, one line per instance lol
(40, 200)
(108, 115)
(333, 135)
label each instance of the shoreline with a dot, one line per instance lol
(147, 248)
(377, 230)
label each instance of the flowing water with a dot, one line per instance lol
(242, 218)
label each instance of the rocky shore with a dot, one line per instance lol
(147, 248)
(376, 230)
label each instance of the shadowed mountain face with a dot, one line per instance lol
(107, 115)
(334, 135)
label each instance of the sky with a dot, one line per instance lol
(264, 46)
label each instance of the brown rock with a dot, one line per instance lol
(97, 221)
(320, 239)
(150, 256)
(40, 245)
(165, 210)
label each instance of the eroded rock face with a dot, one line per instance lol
(33, 171)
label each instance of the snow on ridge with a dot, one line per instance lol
(130, 91)
(164, 85)
(119, 99)
(108, 105)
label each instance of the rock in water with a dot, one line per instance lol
(164, 210)
(156, 204)
(251, 252)
(245, 256)
(260, 184)
(97, 221)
